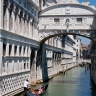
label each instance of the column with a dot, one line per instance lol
(7, 49)
(12, 66)
(39, 70)
(8, 13)
(52, 41)
(12, 50)
(1, 49)
(39, 73)
(19, 25)
(6, 67)
(33, 71)
(15, 22)
(13, 14)
(26, 51)
(33, 29)
(29, 52)
(1, 15)
(20, 21)
(29, 28)
(26, 65)
(22, 65)
(17, 50)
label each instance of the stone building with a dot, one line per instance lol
(78, 48)
(19, 41)
(85, 51)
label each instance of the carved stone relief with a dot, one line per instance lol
(67, 10)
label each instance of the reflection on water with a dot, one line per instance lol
(75, 82)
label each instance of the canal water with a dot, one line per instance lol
(75, 82)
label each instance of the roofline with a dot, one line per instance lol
(56, 5)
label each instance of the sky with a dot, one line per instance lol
(92, 2)
(83, 39)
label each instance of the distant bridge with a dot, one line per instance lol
(84, 60)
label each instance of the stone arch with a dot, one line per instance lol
(27, 28)
(50, 36)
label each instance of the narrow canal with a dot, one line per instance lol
(75, 82)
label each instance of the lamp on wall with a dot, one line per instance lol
(67, 24)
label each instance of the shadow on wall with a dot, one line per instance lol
(93, 33)
(32, 56)
(41, 61)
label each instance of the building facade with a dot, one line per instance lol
(85, 51)
(19, 41)
(78, 48)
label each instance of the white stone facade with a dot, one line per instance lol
(61, 54)
(18, 39)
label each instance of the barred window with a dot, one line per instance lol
(79, 20)
(56, 21)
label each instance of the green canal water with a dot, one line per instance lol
(75, 82)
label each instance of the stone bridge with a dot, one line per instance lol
(67, 18)
(84, 60)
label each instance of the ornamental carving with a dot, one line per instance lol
(88, 34)
(67, 10)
